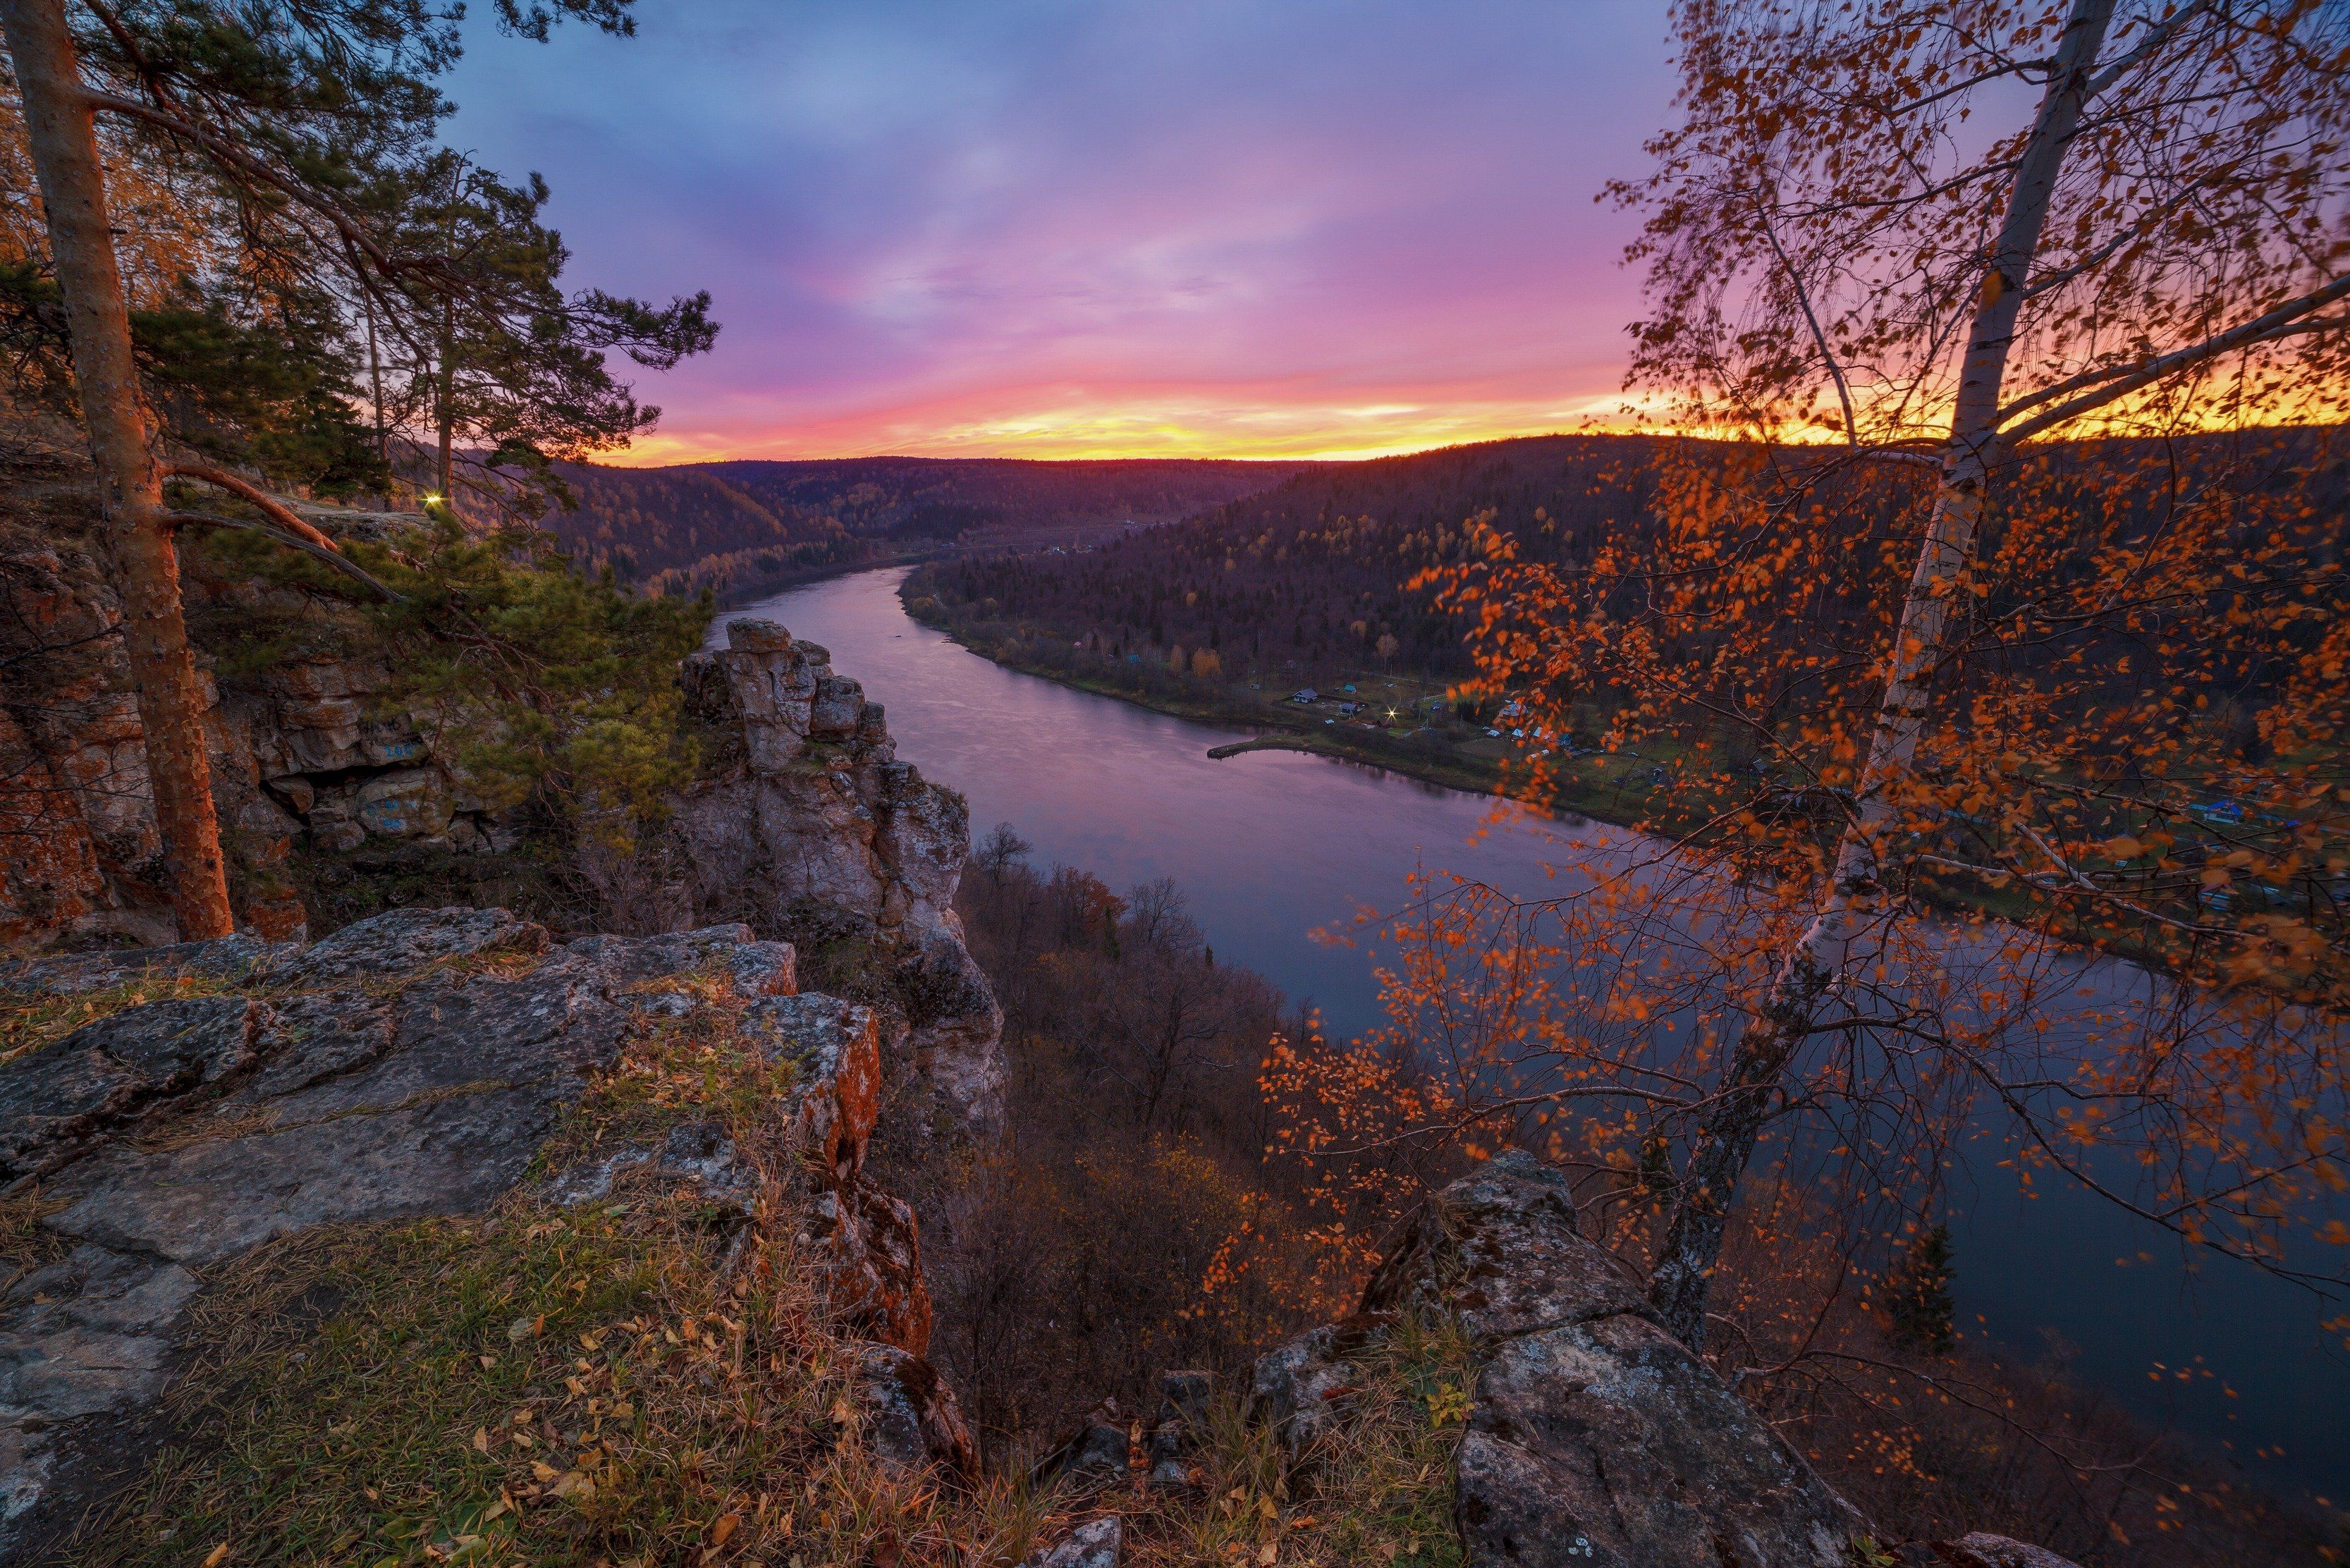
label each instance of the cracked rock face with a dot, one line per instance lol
(367, 1080)
(1594, 1439)
(106, 1073)
(811, 819)
(807, 825)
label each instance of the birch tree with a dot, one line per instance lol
(1984, 556)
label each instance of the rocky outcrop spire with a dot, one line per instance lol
(806, 824)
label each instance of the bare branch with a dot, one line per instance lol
(2286, 320)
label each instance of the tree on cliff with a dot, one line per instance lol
(1991, 583)
(308, 128)
(493, 359)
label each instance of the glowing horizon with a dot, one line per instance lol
(1070, 428)
(1230, 231)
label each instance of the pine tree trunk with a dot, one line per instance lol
(375, 384)
(446, 400)
(64, 141)
(1725, 1141)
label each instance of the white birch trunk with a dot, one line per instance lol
(1726, 1138)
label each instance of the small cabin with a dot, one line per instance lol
(1305, 695)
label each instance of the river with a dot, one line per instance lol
(1271, 846)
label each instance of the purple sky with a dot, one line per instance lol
(1265, 227)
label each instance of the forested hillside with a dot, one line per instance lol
(1307, 582)
(743, 528)
(1307, 578)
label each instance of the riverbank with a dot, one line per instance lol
(1633, 790)
(737, 598)
(1627, 789)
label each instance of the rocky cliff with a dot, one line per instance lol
(1593, 1439)
(806, 822)
(422, 1062)
(801, 822)
(300, 753)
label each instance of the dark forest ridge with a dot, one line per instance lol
(745, 526)
(1307, 581)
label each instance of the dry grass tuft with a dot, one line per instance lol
(30, 1022)
(1377, 1491)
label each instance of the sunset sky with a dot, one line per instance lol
(1050, 229)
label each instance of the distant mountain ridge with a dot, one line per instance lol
(746, 526)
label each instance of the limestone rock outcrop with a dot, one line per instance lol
(805, 825)
(413, 1065)
(300, 749)
(808, 825)
(1594, 1438)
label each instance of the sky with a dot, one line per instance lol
(1041, 228)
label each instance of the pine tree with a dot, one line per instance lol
(502, 374)
(308, 126)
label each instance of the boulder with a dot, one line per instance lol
(1300, 1388)
(1092, 1544)
(749, 635)
(1183, 1399)
(1606, 1441)
(1594, 1438)
(1097, 1453)
(1500, 1250)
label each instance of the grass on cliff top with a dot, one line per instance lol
(1377, 1491)
(644, 1380)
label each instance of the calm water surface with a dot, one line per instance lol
(1271, 846)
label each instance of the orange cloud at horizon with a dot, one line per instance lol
(1068, 421)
